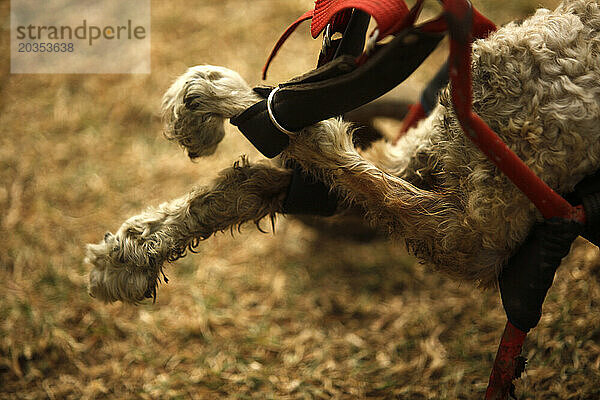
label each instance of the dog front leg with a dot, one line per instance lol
(128, 264)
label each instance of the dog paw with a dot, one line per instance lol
(114, 276)
(197, 103)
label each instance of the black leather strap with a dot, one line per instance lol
(526, 278)
(310, 99)
(255, 124)
(306, 195)
(353, 41)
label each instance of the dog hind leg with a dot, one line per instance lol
(431, 221)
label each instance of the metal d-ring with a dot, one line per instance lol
(272, 115)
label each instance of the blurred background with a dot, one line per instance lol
(297, 314)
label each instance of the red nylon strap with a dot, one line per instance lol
(545, 199)
(409, 19)
(387, 13)
(482, 27)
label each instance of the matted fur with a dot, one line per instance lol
(537, 84)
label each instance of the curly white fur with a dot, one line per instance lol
(537, 84)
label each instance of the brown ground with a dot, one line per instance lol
(290, 315)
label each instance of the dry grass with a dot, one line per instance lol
(291, 315)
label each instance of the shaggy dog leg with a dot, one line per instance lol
(128, 264)
(428, 220)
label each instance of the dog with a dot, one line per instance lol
(535, 82)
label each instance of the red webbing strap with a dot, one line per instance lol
(408, 21)
(387, 13)
(481, 28)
